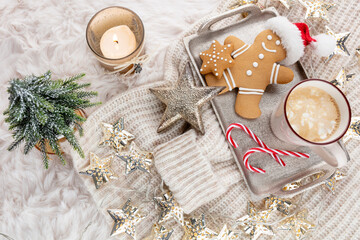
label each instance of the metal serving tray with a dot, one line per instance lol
(276, 177)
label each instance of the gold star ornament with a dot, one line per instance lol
(159, 233)
(115, 135)
(184, 101)
(342, 78)
(297, 224)
(99, 169)
(316, 8)
(195, 229)
(169, 208)
(136, 159)
(125, 219)
(280, 204)
(254, 223)
(354, 130)
(340, 43)
(226, 234)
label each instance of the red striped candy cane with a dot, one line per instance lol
(264, 148)
(253, 136)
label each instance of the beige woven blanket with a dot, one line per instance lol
(336, 216)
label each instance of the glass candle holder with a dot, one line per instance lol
(108, 18)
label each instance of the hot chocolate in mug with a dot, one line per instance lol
(303, 118)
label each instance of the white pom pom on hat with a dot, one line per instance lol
(295, 36)
(324, 45)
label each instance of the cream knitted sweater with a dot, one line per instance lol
(199, 169)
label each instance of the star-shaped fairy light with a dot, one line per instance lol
(254, 223)
(286, 3)
(246, 2)
(115, 135)
(292, 186)
(354, 130)
(195, 229)
(136, 159)
(298, 224)
(216, 59)
(169, 208)
(226, 234)
(357, 54)
(280, 204)
(184, 101)
(342, 78)
(99, 169)
(316, 8)
(159, 232)
(330, 182)
(340, 43)
(125, 219)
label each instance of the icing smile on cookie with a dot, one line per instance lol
(266, 49)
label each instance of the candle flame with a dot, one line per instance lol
(115, 39)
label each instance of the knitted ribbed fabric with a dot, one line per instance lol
(199, 169)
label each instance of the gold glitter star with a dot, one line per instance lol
(195, 229)
(342, 78)
(159, 233)
(125, 219)
(297, 224)
(99, 169)
(136, 159)
(316, 9)
(253, 223)
(184, 100)
(354, 130)
(340, 43)
(280, 204)
(169, 208)
(115, 135)
(226, 234)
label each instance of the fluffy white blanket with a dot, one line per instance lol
(36, 36)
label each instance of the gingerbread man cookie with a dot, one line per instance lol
(255, 67)
(216, 59)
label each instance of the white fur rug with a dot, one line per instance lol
(36, 36)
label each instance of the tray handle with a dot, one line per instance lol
(327, 174)
(289, 193)
(251, 9)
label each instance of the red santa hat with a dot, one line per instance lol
(295, 36)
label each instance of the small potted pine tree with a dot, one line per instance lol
(43, 111)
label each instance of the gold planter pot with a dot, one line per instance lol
(61, 139)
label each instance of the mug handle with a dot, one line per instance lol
(334, 154)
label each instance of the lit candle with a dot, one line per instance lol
(118, 42)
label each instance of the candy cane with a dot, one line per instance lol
(253, 136)
(264, 148)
